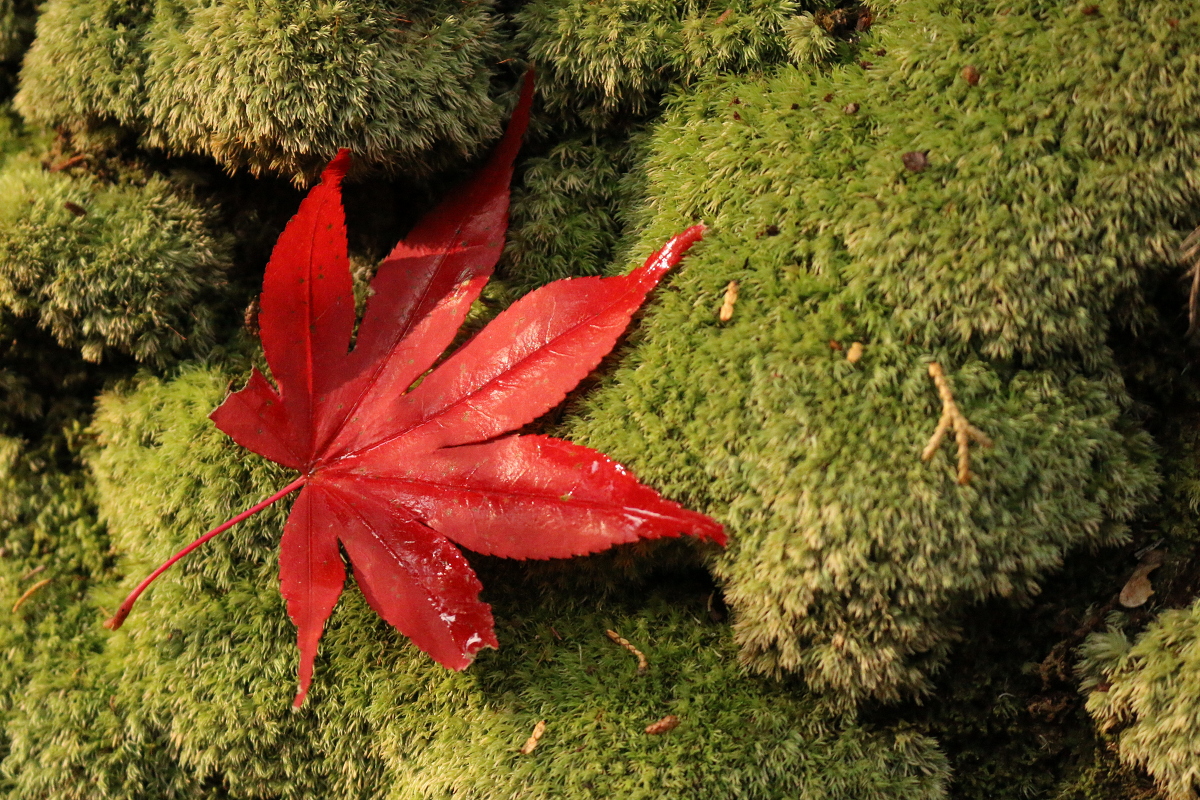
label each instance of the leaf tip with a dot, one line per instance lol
(471, 648)
(715, 533)
(337, 167)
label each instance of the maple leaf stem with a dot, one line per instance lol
(118, 618)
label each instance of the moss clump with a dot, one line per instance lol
(1147, 692)
(563, 221)
(107, 268)
(601, 62)
(194, 690)
(1003, 253)
(276, 87)
(52, 550)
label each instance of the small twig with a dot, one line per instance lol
(964, 431)
(534, 738)
(33, 572)
(643, 664)
(668, 723)
(1190, 251)
(73, 161)
(731, 296)
(29, 593)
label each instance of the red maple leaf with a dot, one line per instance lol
(396, 476)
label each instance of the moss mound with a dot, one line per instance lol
(193, 692)
(603, 62)
(278, 87)
(1023, 224)
(107, 268)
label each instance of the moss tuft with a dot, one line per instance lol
(1147, 693)
(603, 62)
(107, 268)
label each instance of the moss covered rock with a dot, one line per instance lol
(193, 692)
(996, 225)
(278, 87)
(126, 268)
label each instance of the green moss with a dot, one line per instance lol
(563, 222)
(16, 31)
(1147, 692)
(51, 551)
(107, 268)
(193, 692)
(601, 62)
(276, 87)
(85, 68)
(1004, 259)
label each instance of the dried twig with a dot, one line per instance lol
(643, 664)
(534, 737)
(29, 593)
(73, 161)
(34, 571)
(964, 431)
(668, 723)
(1190, 251)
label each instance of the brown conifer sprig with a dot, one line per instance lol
(643, 664)
(964, 431)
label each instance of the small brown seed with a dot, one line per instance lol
(970, 75)
(915, 161)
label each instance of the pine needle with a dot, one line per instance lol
(29, 593)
